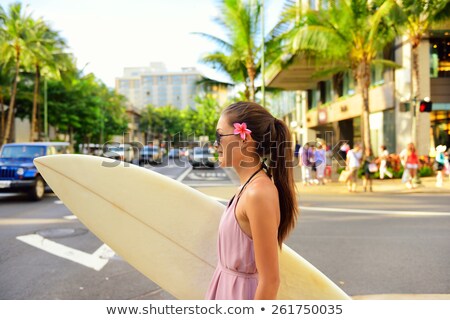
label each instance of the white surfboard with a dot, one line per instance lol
(164, 229)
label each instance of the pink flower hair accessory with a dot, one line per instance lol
(241, 129)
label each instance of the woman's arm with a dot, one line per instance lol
(263, 213)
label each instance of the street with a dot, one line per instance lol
(380, 246)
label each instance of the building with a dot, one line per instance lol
(156, 86)
(331, 107)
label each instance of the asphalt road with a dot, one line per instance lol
(364, 253)
(371, 253)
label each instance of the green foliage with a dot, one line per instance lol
(87, 109)
(426, 171)
(169, 123)
(78, 106)
(239, 54)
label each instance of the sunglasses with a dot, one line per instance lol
(219, 136)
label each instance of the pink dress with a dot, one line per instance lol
(236, 277)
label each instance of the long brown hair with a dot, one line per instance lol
(274, 144)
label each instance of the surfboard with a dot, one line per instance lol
(163, 228)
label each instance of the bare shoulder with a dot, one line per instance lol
(262, 187)
(262, 194)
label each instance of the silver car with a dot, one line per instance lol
(202, 157)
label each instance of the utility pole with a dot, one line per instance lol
(45, 111)
(263, 85)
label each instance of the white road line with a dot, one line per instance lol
(387, 212)
(71, 217)
(93, 261)
(368, 211)
(184, 174)
(104, 252)
(58, 202)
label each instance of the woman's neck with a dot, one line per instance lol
(245, 173)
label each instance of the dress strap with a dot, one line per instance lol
(248, 180)
(231, 201)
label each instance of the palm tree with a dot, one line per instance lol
(348, 36)
(4, 84)
(239, 55)
(418, 16)
(13, 49)
(46, 51)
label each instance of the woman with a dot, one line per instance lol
(306, 164)
(412, 164)
(384, 156)
(369, 169)
(440, 160)
(263, 211)
(320, 162)
(353, 163)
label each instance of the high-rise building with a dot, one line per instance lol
(156, 86)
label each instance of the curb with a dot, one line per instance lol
(395, 296)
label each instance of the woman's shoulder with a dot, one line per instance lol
(262, 189)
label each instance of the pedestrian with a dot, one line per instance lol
(263, 211)
(411, 164)
(320, 163)
(345, 147)
(296, 152)
(369, 169)
(353, 163)
(328, 163)
(312, 159)
(306, 164)
(440, 160)
(403, 155)
(384, 157)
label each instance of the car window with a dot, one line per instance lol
(23, 152)
(51, 150)
(201, 151)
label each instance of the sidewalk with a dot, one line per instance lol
(386, 186)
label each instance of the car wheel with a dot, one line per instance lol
(38, 190)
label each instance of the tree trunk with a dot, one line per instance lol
(363, 79)
(415, 91)
(39, 123)
(13, 100)
(251, 76)
(35, 100)
(70, 135)
(2, 130)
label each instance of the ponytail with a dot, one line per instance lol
(281, 160)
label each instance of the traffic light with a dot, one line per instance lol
(425, 106)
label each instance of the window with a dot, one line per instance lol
(176, 80)
(162, 80)
(440, 56)
(349, 84)
(313, 98)
(376, 75)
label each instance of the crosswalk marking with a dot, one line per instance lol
(95, 261)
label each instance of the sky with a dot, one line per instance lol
(108, 35)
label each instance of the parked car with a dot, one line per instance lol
(17, 170)
(150, 154)
(202, 157)
(174, 153)
(121, 152)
